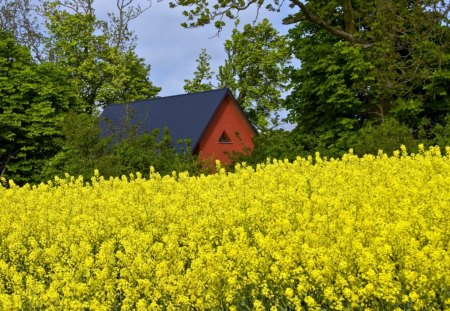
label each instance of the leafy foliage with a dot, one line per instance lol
(387, 136)
(102, 73)
(33, 98)
(442, 133)
(84, 151)
(329, 91)
(202, 75)
(20, 19)
(385, 72)
(255, 70)
(272, 144)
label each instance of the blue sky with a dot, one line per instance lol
(172, 50)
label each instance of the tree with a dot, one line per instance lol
(126, 78)
(76, 69)
(33, 98)
(203, 12)
(76, 44)
(19, 17)
(255, 70)
(387, 68)
(102, 73)
(202, 75)
(329, 93)
(121, 36)
(81, 150)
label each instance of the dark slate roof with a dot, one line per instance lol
(186, 116)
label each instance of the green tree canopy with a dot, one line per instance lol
(255, 70)
(202, 75)
(33, 98)
(102, 73)
(389, 59)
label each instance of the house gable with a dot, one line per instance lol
(228, 131)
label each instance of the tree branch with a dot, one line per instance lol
(347, 36)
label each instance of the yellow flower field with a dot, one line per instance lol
(354, 233)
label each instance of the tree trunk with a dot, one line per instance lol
(349, 17)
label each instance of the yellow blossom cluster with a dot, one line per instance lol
(363, 233)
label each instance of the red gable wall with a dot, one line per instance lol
(229, 119)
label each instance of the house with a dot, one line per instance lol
(213, 121)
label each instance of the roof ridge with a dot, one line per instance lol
(170, 96)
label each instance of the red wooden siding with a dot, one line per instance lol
(230, 124)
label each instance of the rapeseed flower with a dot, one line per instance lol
(368, 232)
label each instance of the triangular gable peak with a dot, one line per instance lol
(228, 131)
